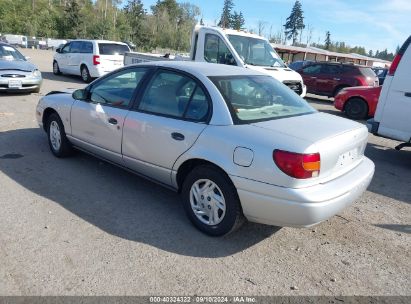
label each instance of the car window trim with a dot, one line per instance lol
(135, 93)
(198, 83)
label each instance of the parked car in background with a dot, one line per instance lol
(381, 74)
(130, 44)
(328, 78)
(16, 73)
(393, 115)
(358, 102)
(89, 58)
(55, 43)
(15, 40)
(229, 139)
(296, 65)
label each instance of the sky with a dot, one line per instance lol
(373, 24)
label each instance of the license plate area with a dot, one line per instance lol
(15, 84)
(347, 158)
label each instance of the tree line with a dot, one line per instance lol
(169, 25)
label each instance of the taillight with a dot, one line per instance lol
(394, 64)
(298, 165)
(96, 59)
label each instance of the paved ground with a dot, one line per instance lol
(80, 226)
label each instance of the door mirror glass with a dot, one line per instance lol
(80, 94)
(58, 50)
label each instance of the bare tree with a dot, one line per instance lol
(261, 27)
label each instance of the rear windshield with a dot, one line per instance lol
(112, 49)
(259, 98)
(367, 72)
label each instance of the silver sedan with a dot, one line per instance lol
(236, 143)
(16, 73)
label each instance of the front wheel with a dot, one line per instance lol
(211, 201)
(56, 68)
(58, 142)
(356, 108)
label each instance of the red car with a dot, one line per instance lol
(358, 102)
(328, 78)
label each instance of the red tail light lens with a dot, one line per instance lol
(96, 59)
(298, 165)
(394, 65)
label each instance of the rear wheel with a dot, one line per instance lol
(356, 108)
(85, 74)
(211, 201)
(56, 68)
(58, 142)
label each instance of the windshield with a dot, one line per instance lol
(10, 53)
(259, 98)
(255, 51)
(112, 49)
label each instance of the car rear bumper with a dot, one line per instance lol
(304, 207)
(97, 71)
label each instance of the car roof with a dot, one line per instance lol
(204, 68)
(98, 41)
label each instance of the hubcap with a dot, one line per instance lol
(55, 67)
(207, 202)
(55, 136)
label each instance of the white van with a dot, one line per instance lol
(89, 58)
(393, 115)
(16, 40)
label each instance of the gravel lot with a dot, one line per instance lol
(80, 226)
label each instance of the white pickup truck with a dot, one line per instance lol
(226, 46)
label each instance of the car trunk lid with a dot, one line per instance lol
(340, 142)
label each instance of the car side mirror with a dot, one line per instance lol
(58, 50)
(27, 57)
(80, 94)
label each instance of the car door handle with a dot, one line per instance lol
(337, 79)
(407, 94)
(177, 136)
(313, 77)
(112, 121)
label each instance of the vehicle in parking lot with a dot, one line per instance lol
(358, 102)
(229, 139)
(16, 73)
(89, 58)
(15, 40)
(393, 113)
(328, 78)
(381, 74)
(296, 65)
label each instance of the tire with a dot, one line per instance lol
(220, 201)
(85, 74)
(356, 108)
(56, 68)
(58, 142)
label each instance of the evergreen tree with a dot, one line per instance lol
(135, 14)
(226, 20)
(295, 22)
(327, 42)
(370, 53)
(397, 50)
(238, 21)
(72, 20)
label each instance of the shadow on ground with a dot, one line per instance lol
(114, 200)
(392, 176)
(65, 78)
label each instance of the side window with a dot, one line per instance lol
(330, 69)
(117, 89)
(216, 51)
(75, 47)
(87, 47)
(312, 69)
(175, 95)
(66, 48)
